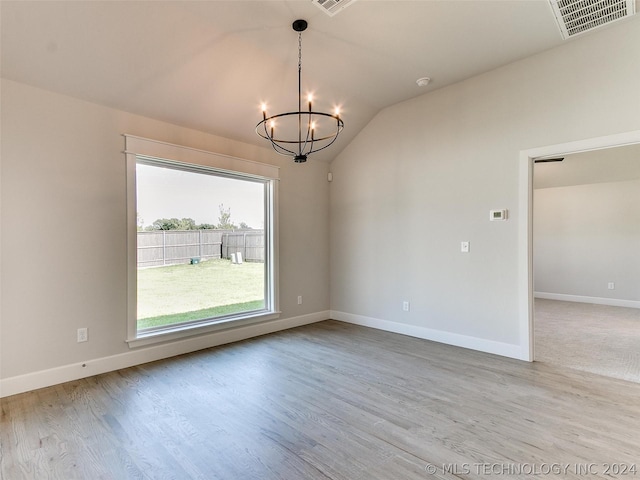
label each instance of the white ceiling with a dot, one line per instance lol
(208, 65)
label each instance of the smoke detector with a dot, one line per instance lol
(331, 7)
(580, 16)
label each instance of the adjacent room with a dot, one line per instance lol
(586, 228)
(319, 239)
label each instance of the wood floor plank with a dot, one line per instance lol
(329, 401)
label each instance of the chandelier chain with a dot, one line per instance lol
(299, 51)
(300, 145)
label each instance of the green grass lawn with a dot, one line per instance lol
(180, 293)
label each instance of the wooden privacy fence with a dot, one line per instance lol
(249, 243)
(172, 247)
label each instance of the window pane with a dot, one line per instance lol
(201, 250)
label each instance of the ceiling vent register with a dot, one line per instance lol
(331, 7)
(580, 16)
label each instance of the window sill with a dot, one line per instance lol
(180, 332)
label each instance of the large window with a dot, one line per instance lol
(203, 242)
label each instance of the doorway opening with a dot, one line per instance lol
(526, 224)
(586, 229)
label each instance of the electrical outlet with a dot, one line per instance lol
(299, 299)
(611, 286)
(464, 247)
(83, 334)
(406, 306)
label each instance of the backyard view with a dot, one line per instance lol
(181, 293)
(202, 256)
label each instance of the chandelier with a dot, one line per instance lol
(315, 130)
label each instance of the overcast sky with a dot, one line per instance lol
(167, 193)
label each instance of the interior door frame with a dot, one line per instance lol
(525, 223)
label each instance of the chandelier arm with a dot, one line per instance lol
(306, 140)
(340, 125)
(335, 137)
(281, 150)
(278, 148)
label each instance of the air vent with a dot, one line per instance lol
(331, 7)
(580, 16)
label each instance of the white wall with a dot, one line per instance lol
(586, 236)
(64, 236)
(424, 174)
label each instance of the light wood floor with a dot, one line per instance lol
(325, 401)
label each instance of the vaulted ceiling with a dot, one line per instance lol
(208, 65)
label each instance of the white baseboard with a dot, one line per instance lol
(66, 373)
(473, 343)
(613, 302)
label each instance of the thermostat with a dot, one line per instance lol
(498, 215)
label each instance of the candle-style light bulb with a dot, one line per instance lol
(309, 99)
(337, 113)
(313, 128)
(273, 124)
(264, 111)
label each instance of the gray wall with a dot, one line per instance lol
(430, 169)
(586, 236)
(63, 171)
